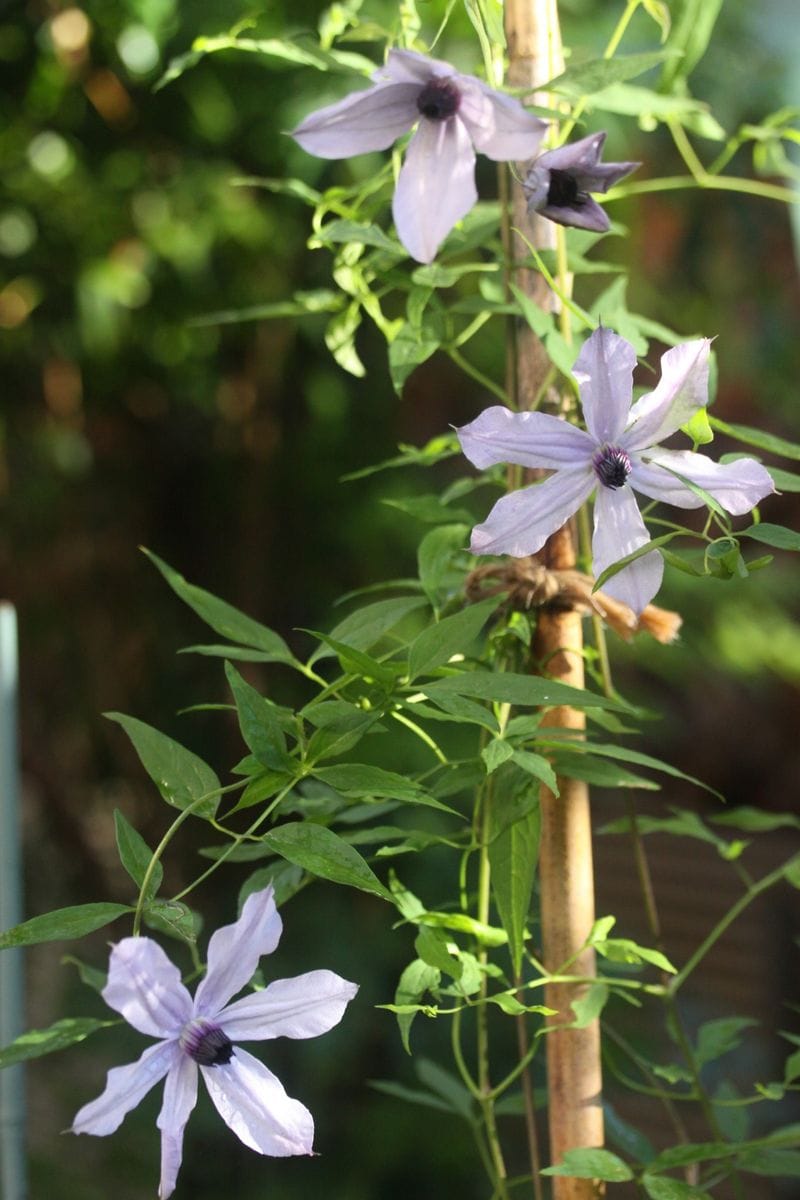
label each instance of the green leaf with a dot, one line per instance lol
(223, 618)
(417, 979)
(413, 345)
(340, 339)
(692, 25)
(505, 687)
(758, 438)
(496, 753)
(773, 535)
(629, 755)
(538, 766)
(592, 1164)
(361, 779)
(649, 106)
(323, 853)
(661, 1187)
(412, 1095)
(37, 1042)
(302, 304)
(514, 830)
(63, 924)
(259, 723)
(365, 627)
(447, 1086)
(718, 1037)
(431, 946)
(135, 854)
(689, 1153)
(587, 1008)
(356, 662)
(174, 918)
(339, 727)
(757, 820)
(353, 231)
(590, 77)
(626, 1136)
(438, 643)
(435, 560)
(181, 777)
(600, 772)
(764, 1160)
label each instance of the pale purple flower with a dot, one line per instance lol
(457, 115)
(617, 452)
(145, 987)
(559, 182)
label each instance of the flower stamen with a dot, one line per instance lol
(206, 1043)
(612, 466)
(439, 100)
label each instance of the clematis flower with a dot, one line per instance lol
(455, 116)
(617, 453)
(559, 182)
(145, 987)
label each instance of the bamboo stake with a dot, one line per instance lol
(565, 864)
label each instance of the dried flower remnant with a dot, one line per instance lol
(559, 183)
(455, 115)
(145, 987)
(617, 453)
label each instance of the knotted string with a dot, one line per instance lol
(529, 584)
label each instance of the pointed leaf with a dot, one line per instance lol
(259, 723)
(514, 829)
(182, 778)
(224, 618)
(592, 1164)
(452, 635)
(63, 924)
(135, 854)
(35, 1043)
(321, 852)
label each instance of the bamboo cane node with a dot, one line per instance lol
(530, 584)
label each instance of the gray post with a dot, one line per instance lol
(12, 1098)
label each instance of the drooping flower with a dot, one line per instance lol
(145, 987)
(559, 182)
(617, 453)
(455, 116)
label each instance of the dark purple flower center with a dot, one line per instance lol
(564, 192)
(612, 466)
(206, 1043)
(439, 99)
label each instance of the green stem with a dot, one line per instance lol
(731, 915)
(475, 374)
(165, 841)
(421, 734)
(609, 52)
(713, 183)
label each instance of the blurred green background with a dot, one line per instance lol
(122, 424)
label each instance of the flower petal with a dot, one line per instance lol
(520, 523)
(234, 951)
(498, 125)
(252, 1102)
(531, 439)
(125, 1087)
(737, 486)
(681, 391)
(583, 214)
(581, 159)
(436, 186)
(408, 66)
(618, 531)
(604, 372)
(303, 1007)
(369, 120)
(145, 987)
(180, 1097)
